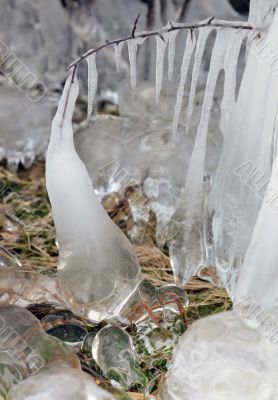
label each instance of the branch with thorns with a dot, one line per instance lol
(169, 28)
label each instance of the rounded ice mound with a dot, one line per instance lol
(222, 358)
(59, 383)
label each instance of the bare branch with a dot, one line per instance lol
(169, 28)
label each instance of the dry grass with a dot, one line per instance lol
(27, 231)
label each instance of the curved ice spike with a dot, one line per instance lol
(98, 268)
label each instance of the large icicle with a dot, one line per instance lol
(98, 269)
(258, 278)
(92, 82)
(186, 250)
(245, 164)
(202, 39)
(171, 53)
(161, 43)
(189, 48)
(132, 53)
(118, 55)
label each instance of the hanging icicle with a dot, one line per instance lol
(171, 54)
(189, 49)
(132, 53)
(161, 43)
(92, 82)
(118, 55)
(230, 68)
(186, 250)
(202, 39)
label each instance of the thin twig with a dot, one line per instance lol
(184, 10)
(169, 28)
(135, 26)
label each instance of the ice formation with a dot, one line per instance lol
(118, 54)
(245, 164)
(258, 276)
(234, 355)
(114, 352)
(187, 249)
(189, 48)
(132, 46)
(98, 269)
(59, 383)
(92, 82)
(26, 348)
(171, 53)
(201, 43)
(161, 44)
(222, 357)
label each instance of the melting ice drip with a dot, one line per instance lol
(98, 269)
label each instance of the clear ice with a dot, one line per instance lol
(92, 82)
(234, 355)
(114, 352)
(244, 168)
(25, 347)
(98, 269)
(59, 383)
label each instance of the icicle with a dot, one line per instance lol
(202, 39)
(161, 43)
(186, 250)
(195, 175)
(118, 54)
(132, 52)
(92, 82)
(189, 48)
(230, 68)
(171, 54)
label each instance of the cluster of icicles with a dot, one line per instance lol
(227, 356)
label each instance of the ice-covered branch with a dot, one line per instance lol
(169, 28)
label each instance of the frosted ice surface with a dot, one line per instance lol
(222, 358)
(59, 383)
